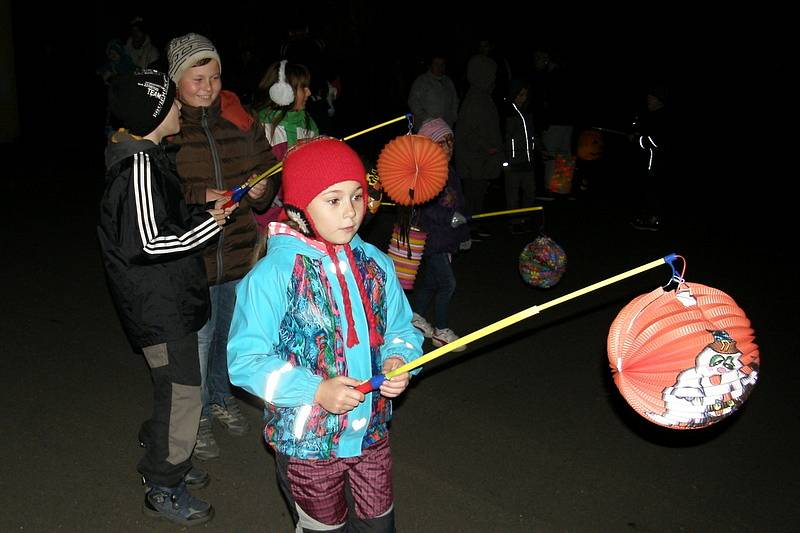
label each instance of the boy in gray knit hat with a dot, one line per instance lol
(222, 146)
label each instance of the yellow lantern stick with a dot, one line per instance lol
(506, 212)
(493, 213)
(407, 116)
(375, 381)
(237, 193)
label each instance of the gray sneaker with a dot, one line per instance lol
(197, 478)
(206, 447)
(422, 325)
(230, 416)
(176, 504)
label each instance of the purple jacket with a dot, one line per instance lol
(435, 217)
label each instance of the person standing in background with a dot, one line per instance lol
(520, 148)
(479, 143)
(433, 94)
(652, 137)
(281, 107)
(139, 47)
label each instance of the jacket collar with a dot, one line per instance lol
(194, 115)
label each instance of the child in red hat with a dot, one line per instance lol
(321, 313)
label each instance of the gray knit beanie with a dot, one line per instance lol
(186, 51)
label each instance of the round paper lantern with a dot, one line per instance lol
(683, 359)
(542, 262)
(413, 169)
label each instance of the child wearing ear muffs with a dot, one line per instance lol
(280, 105)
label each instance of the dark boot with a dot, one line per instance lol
(176, 504)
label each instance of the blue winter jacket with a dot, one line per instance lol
(287, 336)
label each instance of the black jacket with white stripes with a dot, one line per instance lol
(151, 242)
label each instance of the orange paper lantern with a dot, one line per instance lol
(413, 169)
(683, 359)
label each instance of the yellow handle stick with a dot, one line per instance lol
(508, 212)
(493, 213)
(375, 381)
(279, 166)
(406, 116)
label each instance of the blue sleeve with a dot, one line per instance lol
(254, 338)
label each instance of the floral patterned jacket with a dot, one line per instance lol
(287, 336)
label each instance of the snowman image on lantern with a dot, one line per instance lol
(715, 387)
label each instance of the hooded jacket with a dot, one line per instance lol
(478, 129)
(287, 336)
(150, 242)
(435, 217)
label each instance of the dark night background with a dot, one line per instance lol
(724, 69)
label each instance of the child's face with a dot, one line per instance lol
(521, 97)
(200, 86)
(172, 124)
(446, 143)
(337, 211)
(300, 97)
(654, 103)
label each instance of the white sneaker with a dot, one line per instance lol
(444, 336)
(423, 325)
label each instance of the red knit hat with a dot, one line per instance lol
(309, 168)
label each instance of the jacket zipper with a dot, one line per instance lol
(220, 185)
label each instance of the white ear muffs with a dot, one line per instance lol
(281, 92)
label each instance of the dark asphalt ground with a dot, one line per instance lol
(523, 432)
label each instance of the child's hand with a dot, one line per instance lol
(337, 395)
(212, 195)
(392, 388)
(221, 214)
(220, 204)
(218, 215)
(257, 190)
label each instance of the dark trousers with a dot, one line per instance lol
(438, 284)
(520, 180)
(169, 435)
(475, 194)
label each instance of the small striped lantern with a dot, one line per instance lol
(406, 252)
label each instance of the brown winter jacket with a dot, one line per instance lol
(216, 154)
